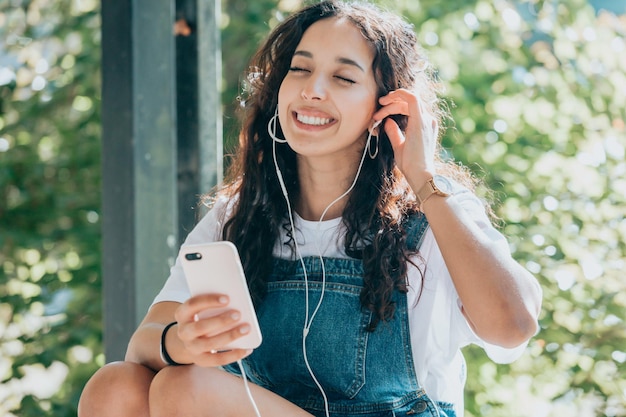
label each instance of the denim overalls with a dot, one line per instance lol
(364, 374)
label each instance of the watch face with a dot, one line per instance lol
(443, 184)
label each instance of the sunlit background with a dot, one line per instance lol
(537, 92)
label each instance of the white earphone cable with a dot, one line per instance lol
(247, 387)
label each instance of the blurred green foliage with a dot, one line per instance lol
(50, 309)
(537, 91)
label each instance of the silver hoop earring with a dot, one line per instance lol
(371, 154)
(271, 128)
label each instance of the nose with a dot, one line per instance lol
(314, 88)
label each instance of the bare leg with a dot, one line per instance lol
(191, 391)
(117, 389)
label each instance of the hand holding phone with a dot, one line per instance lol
(215, 268)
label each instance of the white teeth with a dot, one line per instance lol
(310, 120)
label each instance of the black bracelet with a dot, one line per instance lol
(167, 359)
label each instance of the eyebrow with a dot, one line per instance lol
(341, 60)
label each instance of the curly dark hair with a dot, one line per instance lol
(381, 202)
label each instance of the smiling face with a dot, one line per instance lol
(327, 99)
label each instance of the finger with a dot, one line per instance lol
(223, 357)
(400, 95)
(395, 135)
(410, 104)
(188, 310)
(392, 108)
(218, 342)
(435, 127)
(214, 325)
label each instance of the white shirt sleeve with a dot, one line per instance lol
(207, 230)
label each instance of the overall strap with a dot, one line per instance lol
(416, 226)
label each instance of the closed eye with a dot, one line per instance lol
(297, 69)
(346, 80)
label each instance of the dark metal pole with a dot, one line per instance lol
(140, 232)
(198, 63)
(162, 145)
(118, 260)
(187, 107)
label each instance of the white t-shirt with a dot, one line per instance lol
(438, 327)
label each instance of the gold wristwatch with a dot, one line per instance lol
(437, 185)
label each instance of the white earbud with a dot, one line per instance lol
(374, 126)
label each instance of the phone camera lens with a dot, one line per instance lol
(194, 256)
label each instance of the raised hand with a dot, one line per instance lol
(414, 149)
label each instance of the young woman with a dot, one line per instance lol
(370, 260)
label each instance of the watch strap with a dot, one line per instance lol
(428, 190)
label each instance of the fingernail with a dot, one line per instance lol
(244, 329)
(223, 299)
(235, 315)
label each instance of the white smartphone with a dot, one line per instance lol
(215, 267)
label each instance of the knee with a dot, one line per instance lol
(170, 383)
(117, 389)
(184, 391)
(188, 391)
